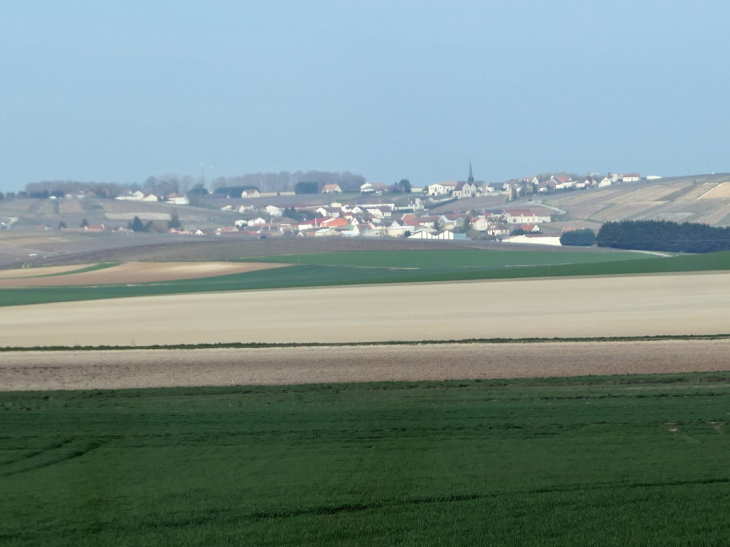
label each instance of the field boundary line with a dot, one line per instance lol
(264, 345)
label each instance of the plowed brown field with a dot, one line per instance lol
(267, 366)
(136, 272)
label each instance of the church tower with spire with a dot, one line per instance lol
(471, 176)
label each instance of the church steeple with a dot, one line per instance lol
(471, 176)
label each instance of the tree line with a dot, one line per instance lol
(173, 183)
(663, 235)
(286, 182)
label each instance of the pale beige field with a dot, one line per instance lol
(36, 272)
(121, 369)
(719, 191)
(134, 272)
(565, 307)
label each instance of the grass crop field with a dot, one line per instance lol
(633, 460)
(387, 267)
(452, 260)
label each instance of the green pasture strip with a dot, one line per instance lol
(449, 259)
(296, 276)
(263, 345)
(93, 268)
(616, 460)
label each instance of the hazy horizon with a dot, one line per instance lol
(120, 92)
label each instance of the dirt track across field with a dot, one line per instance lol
(119, 369)
(536, 308)
(133, 272)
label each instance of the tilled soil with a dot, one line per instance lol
(137, 272)
(119, 369)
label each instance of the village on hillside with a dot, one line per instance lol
(447, 210)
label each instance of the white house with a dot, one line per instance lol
(331, 189)
(177, 199)
(150, 197)
(479, 224)
(274, 211)
(250, 193)
(441, 188)
(564, 185)
(629, 177)
(498, 229)
(605, 181)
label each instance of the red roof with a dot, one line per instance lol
(335, 222)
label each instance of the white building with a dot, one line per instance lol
(479, 224)
(177, 199)
(274, 211)
(373, 188)
(441, 188)
(516, 216)
(534, 239)
(425, 234)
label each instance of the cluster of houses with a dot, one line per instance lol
(385, 220)
(469, 188)
(564, 182)
(174, 198)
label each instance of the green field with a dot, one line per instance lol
(583, 461)
(452, 260)
(386, 268)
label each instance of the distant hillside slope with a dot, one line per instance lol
(698, 198)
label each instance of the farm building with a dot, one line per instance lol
(522, 216)
(373, 188)
(534, 239)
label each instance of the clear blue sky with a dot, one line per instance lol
(117, 91)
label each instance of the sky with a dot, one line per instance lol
(119, 91)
